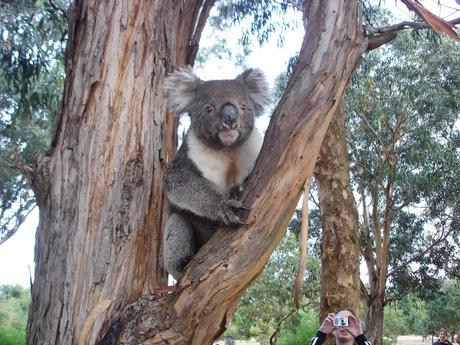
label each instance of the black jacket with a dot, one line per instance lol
(320, 337)
(447, 342)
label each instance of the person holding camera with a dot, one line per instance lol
(344, 325)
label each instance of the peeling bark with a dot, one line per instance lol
(100, 191)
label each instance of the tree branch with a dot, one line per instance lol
(380, 36)
(196, 37)
(303, 260)
(57, 8)
(421, 253)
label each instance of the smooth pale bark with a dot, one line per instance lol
(303, 243)
(100, 191)
(378, 267)
(340, 244)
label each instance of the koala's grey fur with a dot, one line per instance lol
(218, 153)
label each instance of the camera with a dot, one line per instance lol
(341, 321)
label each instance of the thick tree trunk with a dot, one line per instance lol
(340, 244)
(100, 192)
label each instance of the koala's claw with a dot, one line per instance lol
(229, 217)
(237, 205)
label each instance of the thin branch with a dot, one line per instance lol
(399, 296)
(195, 40)
(57, 8)
(19, 220)
(382, 144)
(380, 36)
(421, 253)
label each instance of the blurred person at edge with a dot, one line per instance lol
(442, 338)
(344, 335)
(457, 338)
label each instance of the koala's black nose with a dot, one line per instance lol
(229, 115)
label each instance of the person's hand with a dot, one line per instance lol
(354, 326)
(328, 324)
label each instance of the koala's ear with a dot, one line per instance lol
(259, 92)
(181, 86)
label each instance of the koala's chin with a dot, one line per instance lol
(229, 137)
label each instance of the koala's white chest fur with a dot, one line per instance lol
(225, 167)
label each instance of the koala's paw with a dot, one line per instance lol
(236, 191)
(229, 217)
(182, 263)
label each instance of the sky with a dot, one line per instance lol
(17, 254)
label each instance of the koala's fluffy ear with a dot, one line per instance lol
(259, 92)
(181, 86)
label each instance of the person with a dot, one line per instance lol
(344, 335)
(442, 338)
(457, 338)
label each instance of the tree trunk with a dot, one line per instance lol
(340, 244)
(100, 191)
(378, 266)
(374, 319)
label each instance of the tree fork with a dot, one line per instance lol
(208, 293)
(99, 238)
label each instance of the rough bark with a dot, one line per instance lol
(100, 192)
(340, 244)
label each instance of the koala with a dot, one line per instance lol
(203, 180)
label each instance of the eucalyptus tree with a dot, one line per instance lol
(403, 131)
(99, 188)
(443, 310)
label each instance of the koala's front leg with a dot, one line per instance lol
(236, 191)
(193, 193)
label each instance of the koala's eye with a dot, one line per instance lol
(243, 106)
(209, 109)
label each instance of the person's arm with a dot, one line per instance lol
(362, 340)
(354, 327)
(318, 339)
(324, 330)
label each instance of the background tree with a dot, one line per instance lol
(32, 43)
(14, 307)
(443, 308)
(404, 142)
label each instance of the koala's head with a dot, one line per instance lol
(222, 112)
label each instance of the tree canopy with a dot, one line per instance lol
(33, 36)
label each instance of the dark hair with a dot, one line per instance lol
(351, 310)
(442, 330)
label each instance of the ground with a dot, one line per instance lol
(413, 340)
(402, 340)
